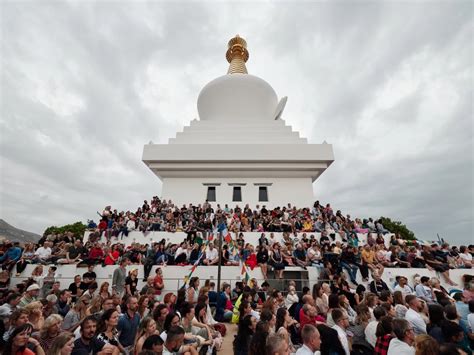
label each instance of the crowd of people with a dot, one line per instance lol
(339, 315)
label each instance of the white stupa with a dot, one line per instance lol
(240, 149)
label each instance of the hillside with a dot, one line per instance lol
(9, 232)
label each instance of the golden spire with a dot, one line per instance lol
(237, 55)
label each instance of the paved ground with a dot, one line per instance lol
(229, 338)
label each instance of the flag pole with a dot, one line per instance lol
(219, 236)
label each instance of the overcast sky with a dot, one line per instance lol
(85, 85)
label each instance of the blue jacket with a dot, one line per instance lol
(12, 254)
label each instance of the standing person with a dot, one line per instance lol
(341, 322)
(128, 324)
(413, 314)
(119, 276)
(262, 259)
(405, 338)
(311, 340)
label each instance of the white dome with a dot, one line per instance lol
(237, 97)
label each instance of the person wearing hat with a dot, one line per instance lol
(31, 295)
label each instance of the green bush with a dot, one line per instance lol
(77, 228)
(397, 227)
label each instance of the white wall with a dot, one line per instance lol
(283, 190)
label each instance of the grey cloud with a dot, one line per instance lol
(137, 69)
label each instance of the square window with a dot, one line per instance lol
(262, 194)
(211, 194)
(237, 194)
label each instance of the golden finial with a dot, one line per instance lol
(237, 55)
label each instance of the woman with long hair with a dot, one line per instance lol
(436, 315)
(104, 290)
(172, 319)
(50, 330)
(201, 318)
(19, 340)
(276, 260)
(78, 312)
(107, 328)
(318, 298)
(62, 345)
(201, 335)
(147, 328)
(245, 309)
(259, 338)
(358, 329)
(333, 303)
(244, 335)
(192, 291)
(170, 301)
(283, 323)
(26, 258)
(95, 305)
(426, 345)
(37, 275)
(262, 259)
(399, 303)
(143, 309)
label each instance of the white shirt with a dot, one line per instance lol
(424, 292)
(341, 333)
(43, 252)
(369, 332)
(470, 321)
(415, 319)
(466, 257)
(291, 299)
(304, 350)
(405, 290)
(398, 347)
(211, 254)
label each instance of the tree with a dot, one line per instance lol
(77, 229)
(397, 227)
